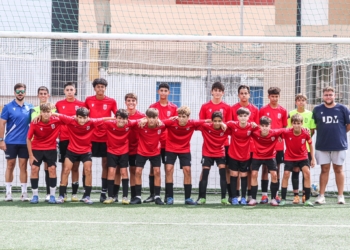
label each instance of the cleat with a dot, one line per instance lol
(125, 201)
(243, 201)
(8, 197)
(74, 198)
(149, 199)
(235, 201)
(201, 201)
(170, 201)
(189, 201)
(34, 200)
(109, 200)
(230, 200)
(24, 197)
(60, 200)
(158, 201)
(249, 198)
(296, 199)
(252, 202)
(320, 199)
(264, 199)
(47, 198)
(88, 201)
(341, 199)
(283, 203)
(225, 201)
(103, 197)
(308, 203)
(274, 202)
(136, 201)
(65, 197)
(303, 199)
(52, 200)
(115, 198)
(82, 198)
(278, 199)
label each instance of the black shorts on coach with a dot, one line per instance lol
(14, 150)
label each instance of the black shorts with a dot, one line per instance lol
(62, 145)
(226, 153)
(48, 156)
(241, 166)
(141, 160)
(132, 160)
(14, 150)
(289, 165)
(209, 161)
(185, 159)
(162, 153)
(270, 163)
(279, 157)
(73, 157)
(122, 161)
(99, 149)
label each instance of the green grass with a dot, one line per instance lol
(147, 226)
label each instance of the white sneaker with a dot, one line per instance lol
(8, 197)
(341, 199)
(24, 197)
(47, 197)
(239, 198)
(320, 199)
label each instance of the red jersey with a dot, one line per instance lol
(149, 140)
(240, 141)
(296, 149)
(133, 135)
(45, 134)
(179, 137)
(279, 119)
(67, 108)
(266, 146)
(213, 140)
(117, 138)
(80, 135)
(100, 108)
(165, 112)
(254, 117)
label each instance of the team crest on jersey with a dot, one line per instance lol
(168, 113)
(210, 110)
(187, 128)
(88, 128)
(159, 131)
(27, 108)
(273, 138)
(93, 104)
(53, 126)
(306, 120)
(41, 129)
(76, 107)
(235, 130)
(279, 115)
(175, 127)
(268, 114)
(104, 106)
(14, 108)
(249, 132)
(290, 138)
(222, 133)
(222, 111)
(302, 141)
(63, 107)
(127, 129)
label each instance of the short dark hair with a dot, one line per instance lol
(264, 120)
(216, 114)
(244, 87)
(101, 81)
(152, 113)
(274, 91)
(82, 111)
(243, 111)
(69, 84)
(19, 85)
(123, 113)
(164, 85)
(130, 95)
(46, 107)
(43, 88)
(218, 85)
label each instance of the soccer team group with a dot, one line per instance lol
(239, 139)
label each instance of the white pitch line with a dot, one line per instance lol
(174, 223)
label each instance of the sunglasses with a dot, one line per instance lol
(20, 92)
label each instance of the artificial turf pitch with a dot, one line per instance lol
(148, 226)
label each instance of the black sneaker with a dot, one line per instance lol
(103, 197)
(149, 199)
(135, 201)
(158, 201)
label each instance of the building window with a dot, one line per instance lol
(175, 92)
(320, 76)
(256, 96)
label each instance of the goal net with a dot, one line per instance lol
(190, 44)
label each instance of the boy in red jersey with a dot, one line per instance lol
(214, 139)
(296, 155)
(80, 130)
(244, 95)
(41, 143)
(166, 110)
(117, 153)
(68, 107)
(265, 140)
(101, 106)
(149, 149)
(217, 104)
(239, 153)
(279, 117)
(180, 132)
